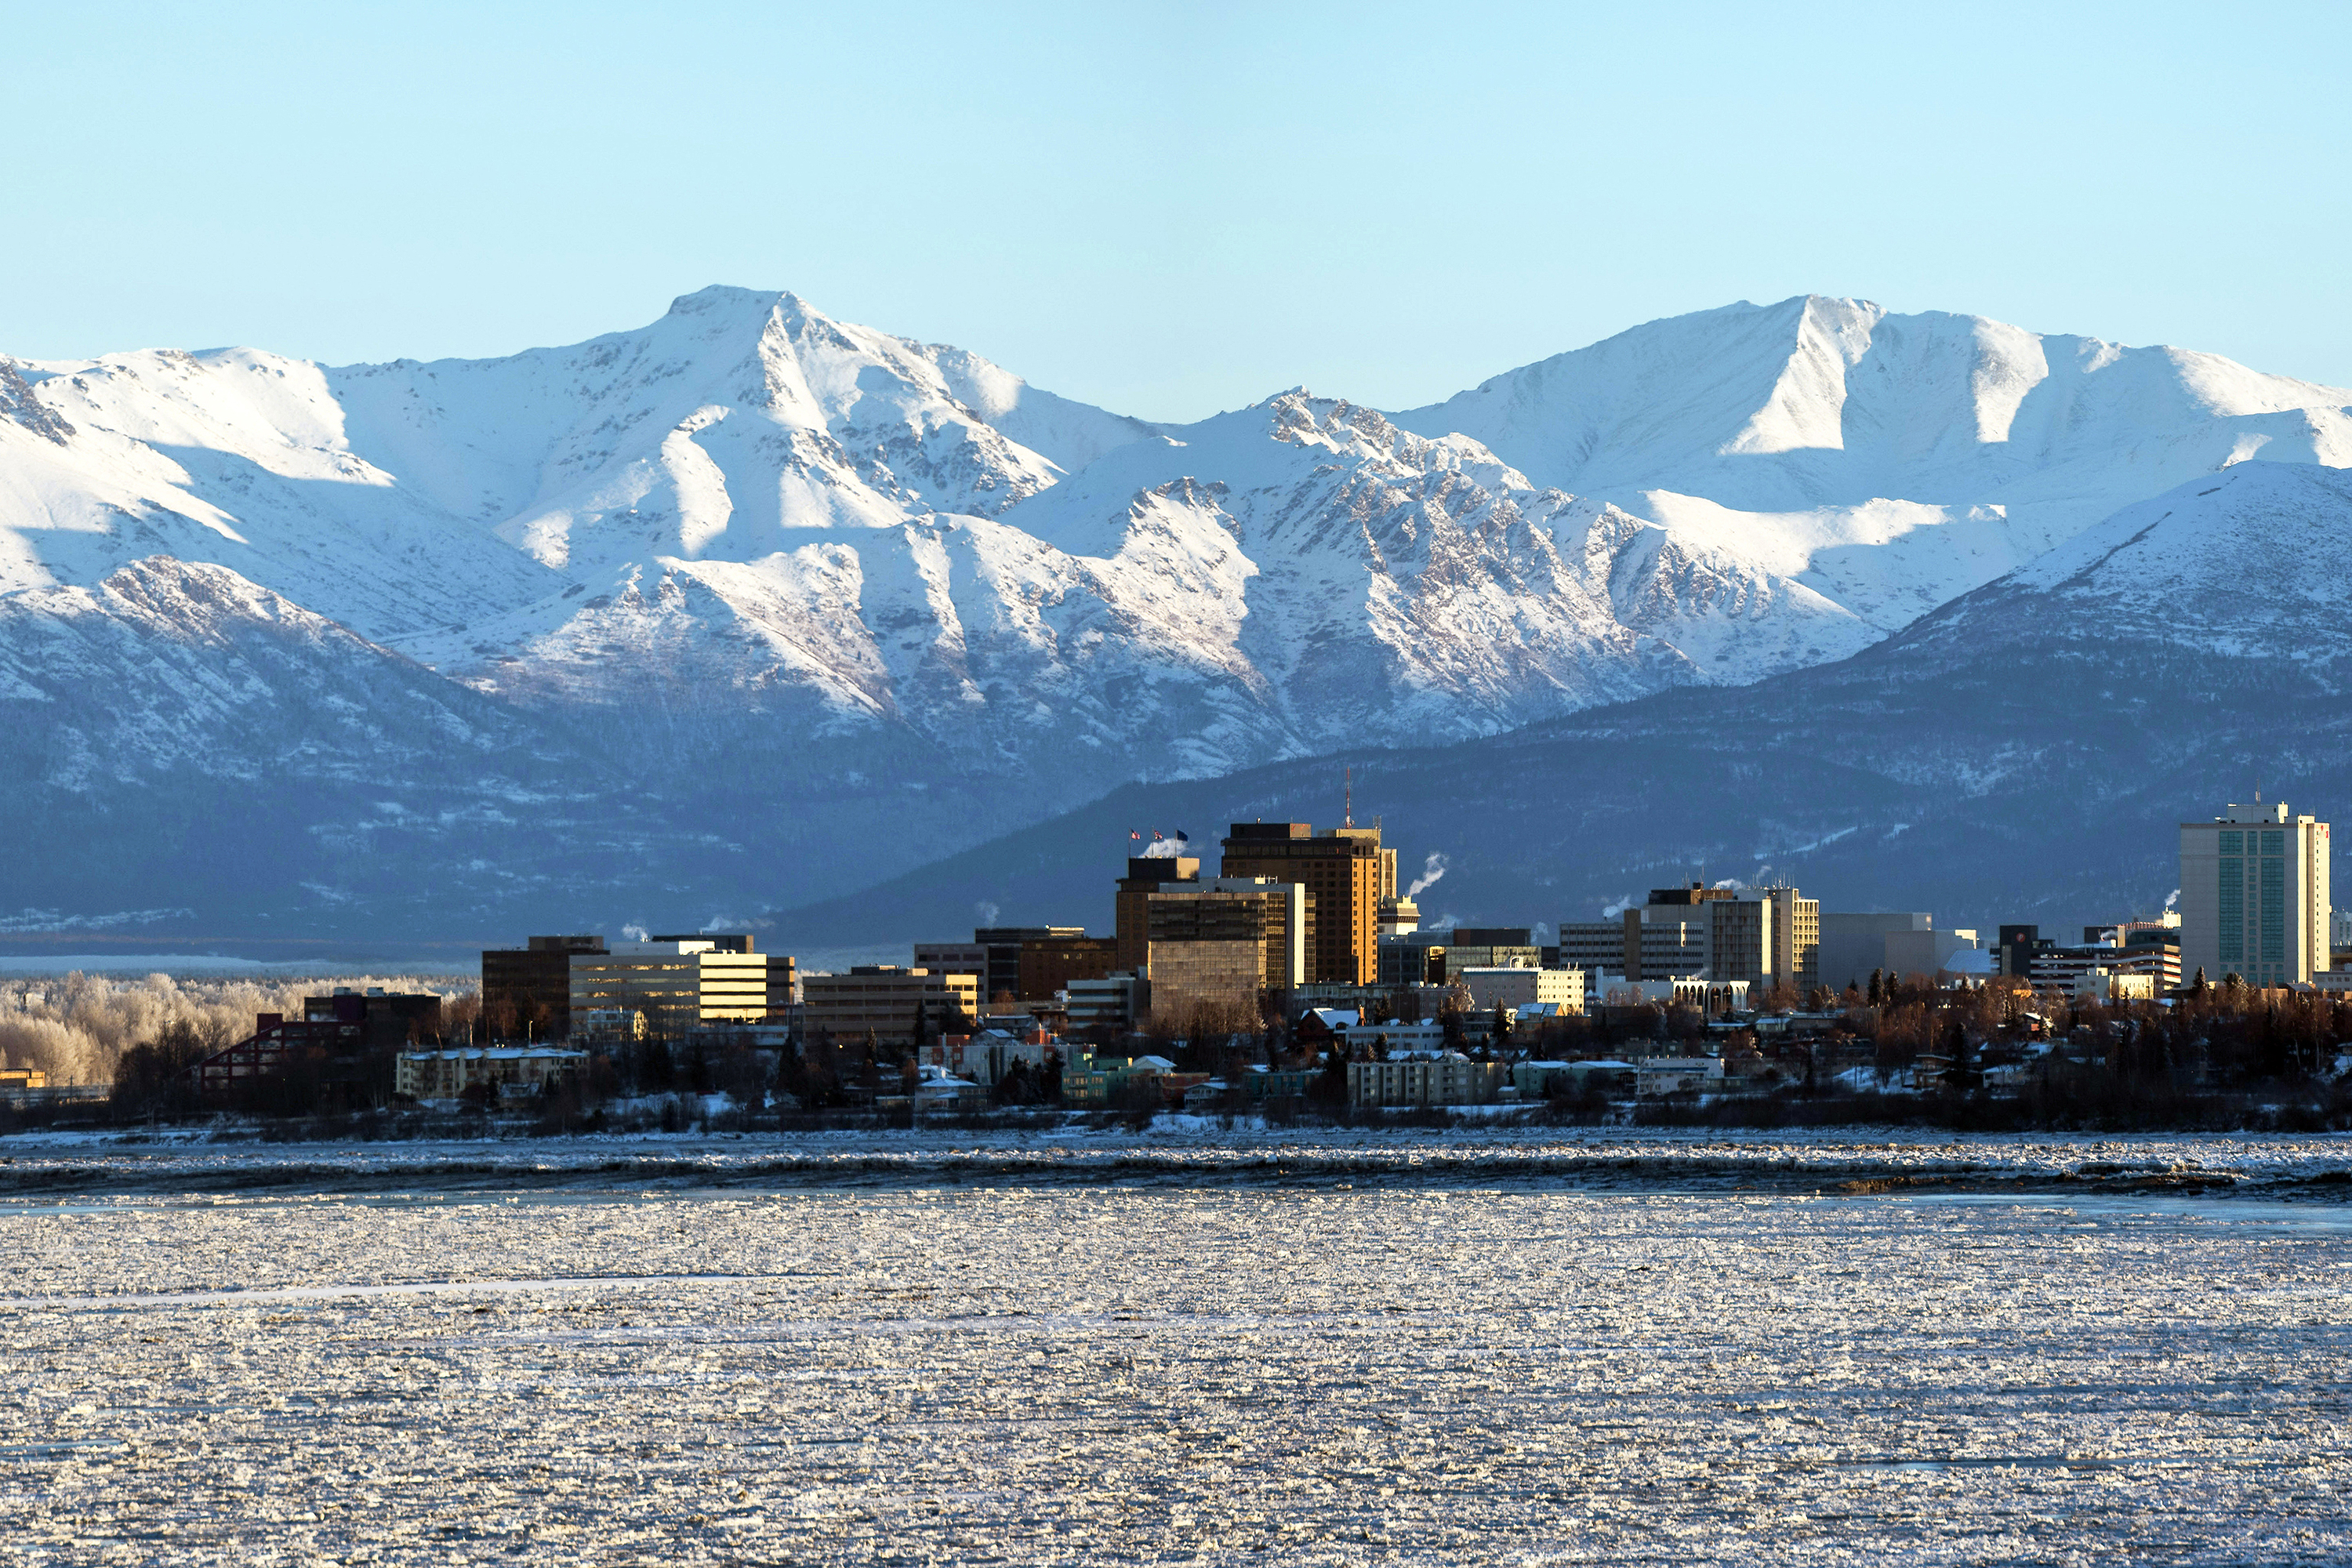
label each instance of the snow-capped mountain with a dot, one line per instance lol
(1887, 462)
(2024, 754)
(752, 582)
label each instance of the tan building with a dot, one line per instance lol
(1796, 939)
(1048, 964)
(684, 982)
(2255, 898)
(1342, 870)
(1515, 987)
(888, 1000)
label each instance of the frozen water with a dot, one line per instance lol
(1212, 1371)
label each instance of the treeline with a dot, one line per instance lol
(81, 1024)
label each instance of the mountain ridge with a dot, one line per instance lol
(755, 566)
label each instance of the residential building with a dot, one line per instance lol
(511, 1071)
(896, 1003)
(681, 983)
(1678, 1075)
(2255, 899)
(1049, 963)
(1428, 1035)
(1514, 986)
(1146, 875)
(527, 990)
(1342, 871)
(1004, 944)
(1426, 1077)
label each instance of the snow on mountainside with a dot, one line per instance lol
(1889, 462)
(2249, 562)
(862, 598)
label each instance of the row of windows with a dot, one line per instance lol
(2273, 843)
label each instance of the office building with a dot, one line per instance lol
(2255, 898)
(527, 990)
(1593, 946)
(1492, 947)
(1112, 1003)
(1412, 958)
(1342, 871)
(1900, 944)
(387, 1020)
(1398, 917)
(1261, 914)
(1050, 964)
(682, 982)
(1146, 875)
(896, 1003)
(955, 958)
(1004, 944)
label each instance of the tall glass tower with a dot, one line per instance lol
(2255, 896)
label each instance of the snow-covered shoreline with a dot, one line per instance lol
(1198, 1151)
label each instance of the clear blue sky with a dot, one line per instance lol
(1170, 209)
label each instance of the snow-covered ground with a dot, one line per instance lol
(1147, 1373)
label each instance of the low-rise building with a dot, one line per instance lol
(1540, 1080)
(1515, 987)
(681, 982)
(609, 1026)
(1678, 1075)
(2109, 986)
(1113, 1003)
(1425, 1078)
(895, 1002)
(511, 1071)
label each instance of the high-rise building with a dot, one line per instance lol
(2255, 896)
(1146, 875)
(1004, 944)
(1342, 872)
(681, 984)
(1229, 943)
(527, 990)
(1796, 939)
